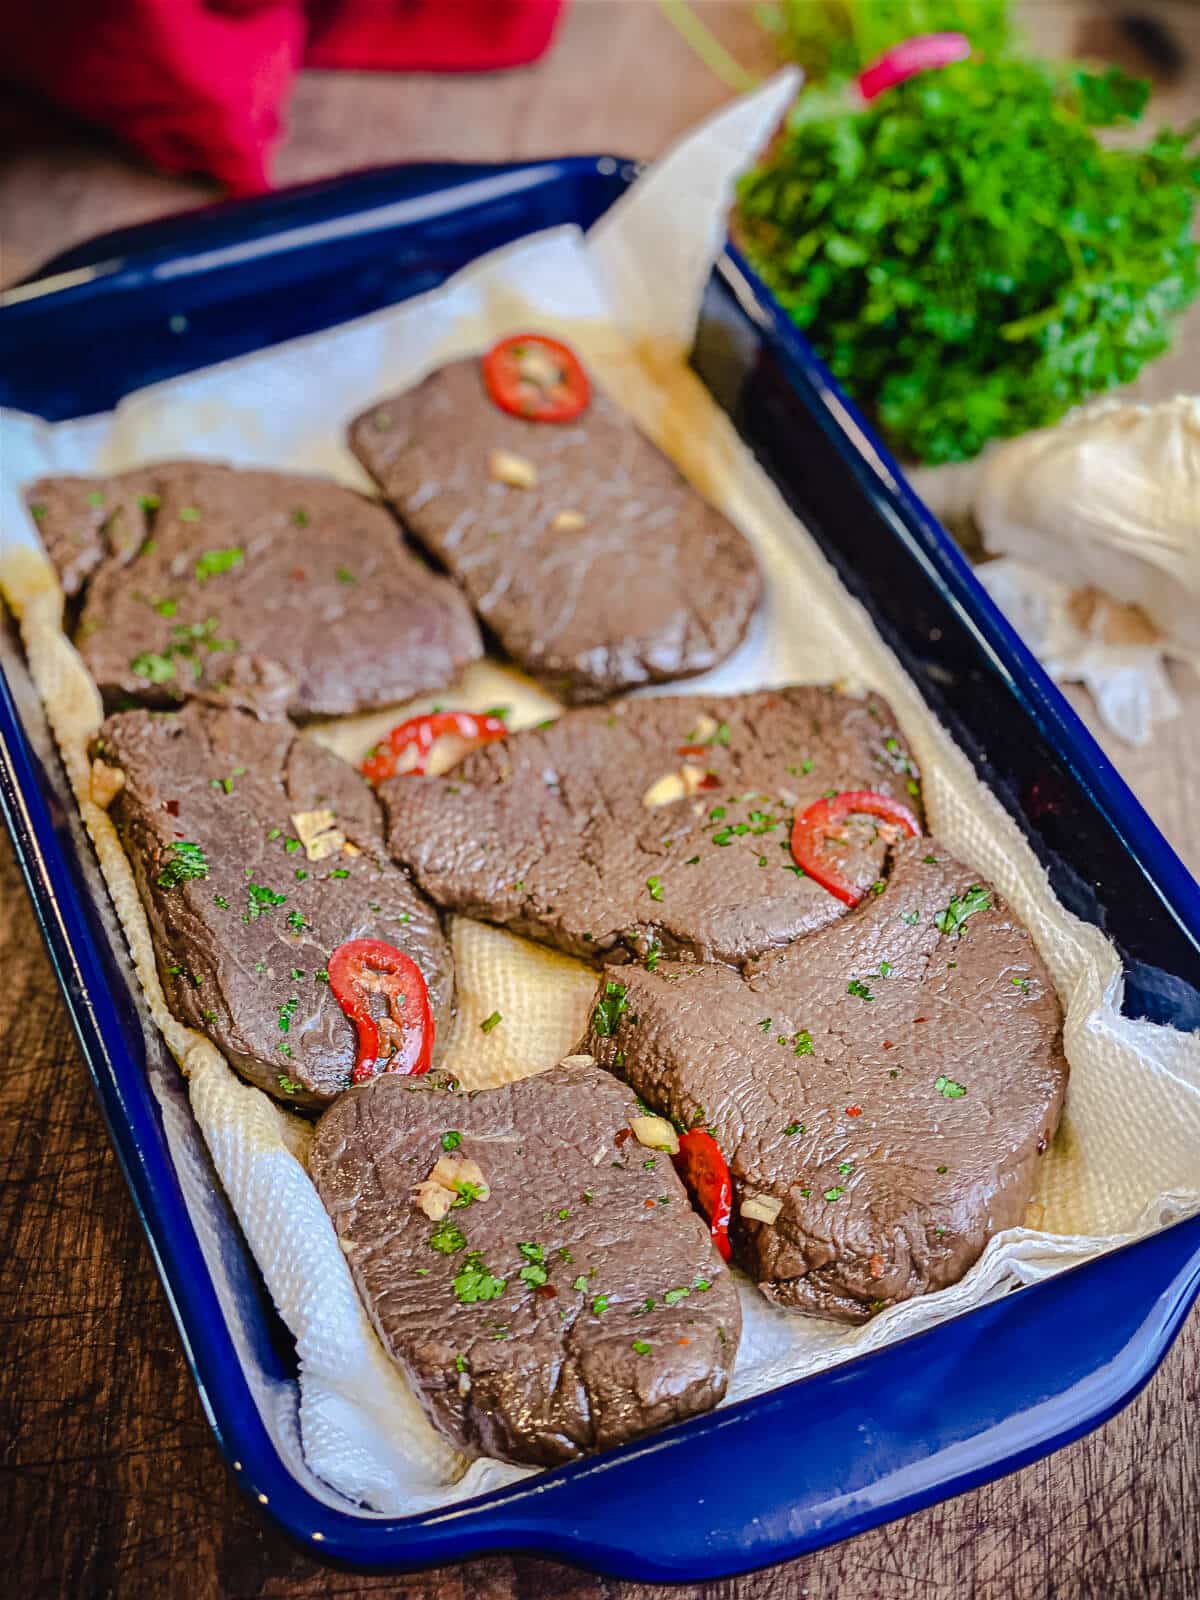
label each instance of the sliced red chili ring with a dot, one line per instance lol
(813, 828)
(361, 968)
(536, 378)
(705, 1172)
(421, 734)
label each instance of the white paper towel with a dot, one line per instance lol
(1128, 1158)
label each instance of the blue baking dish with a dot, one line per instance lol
(819, 1459)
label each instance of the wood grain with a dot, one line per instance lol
(111, 1483)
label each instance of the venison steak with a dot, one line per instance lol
(579, 1305)
(557, 833)
(265, 589)
(887, 1083)
(605, 571)
(211, 811)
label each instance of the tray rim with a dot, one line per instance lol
(472, 1527)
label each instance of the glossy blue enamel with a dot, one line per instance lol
(820, 1459)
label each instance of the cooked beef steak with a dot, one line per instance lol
(549, 832)
(890, 1083)
(266, 589)
(607, 572)
(243, 920)
(577, 1306)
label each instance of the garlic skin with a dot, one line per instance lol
(1108, 499)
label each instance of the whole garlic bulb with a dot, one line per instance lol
(1110, 498)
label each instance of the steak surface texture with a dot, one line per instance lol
(607, 571)
(271, 590)
(577, 1306)
(888, 1083)
(243, 921)
(549, 832)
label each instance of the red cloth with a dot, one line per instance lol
(200, 85)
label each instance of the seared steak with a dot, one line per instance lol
(889, 1082)
(578, 1305)
(249, 888)
(265, 589)
(556, 832)
(606, 572)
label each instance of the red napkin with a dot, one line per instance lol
(200, 85)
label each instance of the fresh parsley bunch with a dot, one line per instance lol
(966, 255)
(836, 39)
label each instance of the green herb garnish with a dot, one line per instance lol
(262, 900)
(213, 562)
(447, 1238)
(951, 920)
(187, 862)
(965, 254)
(610, 1008)
(491, 1022)
(451, 1139)
(655, 887)
(950, 1090)
(858, 987)
(475, 1282)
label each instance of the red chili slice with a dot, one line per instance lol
(363, 967)
(536, 378)
(814, 826)
(421, 734)
(703, 1168)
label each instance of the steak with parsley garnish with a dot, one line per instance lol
(265, 589)
(881, 1090)
(536, 1272)
(585, 551)
(658, 826)
(256, 854)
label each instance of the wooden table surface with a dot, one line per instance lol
(112, 1484)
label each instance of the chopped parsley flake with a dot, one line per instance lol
(451, 1139)
(321, 975)
(793, 1128)
(475, 1282)
(338, 872)
(447, 1238)
(534, 1275)
(153, 667)
(674, 1296)
(289, 1085)
(640, 1347)
(856, 986)
(692, 861)
(802, 1042)
(214, 562)
(599, 1305)
(189, 513)
(460, 1362)
(653, 955)
(165, 608)
(949, 1090)
(294, 920)
(220, 901)
(580, 1283)
(951, 920)
(286, 1012)
(285, 1050)
(610, 1008)
(37, 511)
(1022, 984)
(655, 886)
(835, 1193)
(262, 900)
(344, 575)
(188, 862)
(885, 969)
(491, 1022)
(910, 917)
(765, 1024)
(301, 517)
(845, 1166)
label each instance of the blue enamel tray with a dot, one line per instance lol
(822, 1458)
